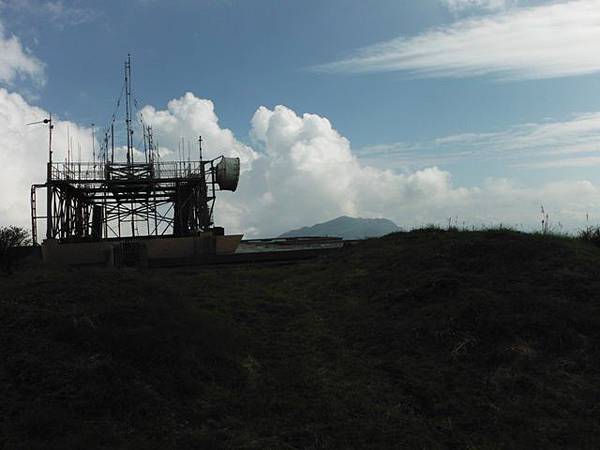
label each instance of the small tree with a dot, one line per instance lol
(11, 237)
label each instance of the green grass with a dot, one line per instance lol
(430, 339)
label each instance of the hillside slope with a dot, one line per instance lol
(347, 228)
(429, 340)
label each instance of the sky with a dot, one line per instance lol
(480, 111)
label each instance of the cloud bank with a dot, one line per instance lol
(548, 41)
(298, 170)
(302, 171)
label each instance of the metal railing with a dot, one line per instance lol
(86, 171)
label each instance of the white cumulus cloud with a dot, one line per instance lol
(552, 40)
(189, 117)
(308, 173)
(24, 153)
(16, 62)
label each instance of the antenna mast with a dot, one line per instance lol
(128, 110)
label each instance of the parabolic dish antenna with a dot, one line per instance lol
(228, 174)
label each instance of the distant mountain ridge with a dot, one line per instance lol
(347, 228)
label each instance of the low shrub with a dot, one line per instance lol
(11, 237)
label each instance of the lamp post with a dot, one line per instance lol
(48, 175)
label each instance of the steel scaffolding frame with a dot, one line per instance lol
(93, 201)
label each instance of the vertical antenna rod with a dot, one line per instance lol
(150, 144)
(128, 110)
(202, 173)
(112, 142)
(200, 147)
(49, 180)
(145, 146)
(93, 147)
(105, 148)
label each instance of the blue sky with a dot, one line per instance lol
(479, 89)
(242, 54)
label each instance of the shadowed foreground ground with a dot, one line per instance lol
(421, 340)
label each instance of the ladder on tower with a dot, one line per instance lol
(34, 216)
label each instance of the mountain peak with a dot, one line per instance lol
(347, 228)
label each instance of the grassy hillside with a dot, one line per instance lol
(421, 340)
